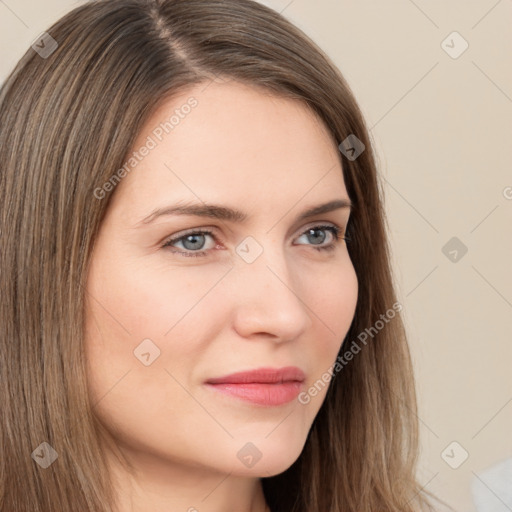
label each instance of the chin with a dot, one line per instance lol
(267, 457)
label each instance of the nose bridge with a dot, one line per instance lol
(263, 262)
(267, 298)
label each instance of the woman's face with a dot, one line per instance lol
(167, 312)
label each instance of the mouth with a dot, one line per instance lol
(263, 386)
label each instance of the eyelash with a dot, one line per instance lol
(335, 230)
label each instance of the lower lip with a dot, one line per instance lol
(261, 394)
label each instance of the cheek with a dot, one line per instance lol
(129, 396)
(150, 302)
(332, 297)
(333, 303)
(134, 310)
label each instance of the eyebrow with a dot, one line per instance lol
(232, 215)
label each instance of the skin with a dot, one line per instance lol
(216, 314)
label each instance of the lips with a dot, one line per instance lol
(262, 376)
(263, 386)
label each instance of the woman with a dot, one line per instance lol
(172, 338)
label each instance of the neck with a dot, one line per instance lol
(160, 486)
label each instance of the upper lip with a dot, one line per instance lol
(261, 375)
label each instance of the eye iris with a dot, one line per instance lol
(193, 239)
(317, 230)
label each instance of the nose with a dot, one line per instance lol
(267, 299)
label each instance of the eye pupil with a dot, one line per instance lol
(317, 230)
(191, 238)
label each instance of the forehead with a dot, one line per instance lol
(236, 144)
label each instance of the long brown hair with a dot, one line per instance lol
(68, 120)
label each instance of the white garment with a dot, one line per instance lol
(492, 488)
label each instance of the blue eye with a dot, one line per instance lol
(334, 230)
(195, 240)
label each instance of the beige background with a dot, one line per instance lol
(442, 128)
